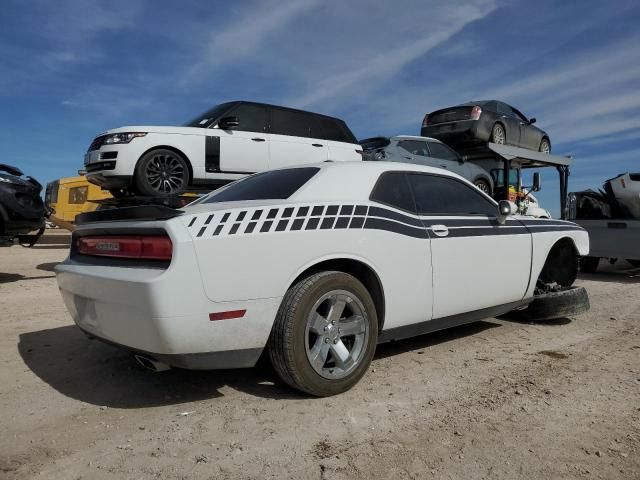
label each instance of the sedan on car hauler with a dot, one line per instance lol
(316, 263)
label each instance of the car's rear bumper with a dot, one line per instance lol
(164, 312)
(194, 361)
(463, 131)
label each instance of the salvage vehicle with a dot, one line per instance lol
(227, 142)
(611, 216)
(22, 211)
(485, 121)
(317, 264)
(426, 151)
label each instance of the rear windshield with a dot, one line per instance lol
(273, 185)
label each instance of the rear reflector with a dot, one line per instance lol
(475, 113)
(227, 315)
(138, 247)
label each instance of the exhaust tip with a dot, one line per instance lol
(151, 364)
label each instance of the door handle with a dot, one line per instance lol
(443, 166)
(317, 145)
(440, 230)
(258, 139)
(408, 158)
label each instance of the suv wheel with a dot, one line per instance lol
(325, 334)
(162, 173)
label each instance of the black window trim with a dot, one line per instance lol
(413, 196)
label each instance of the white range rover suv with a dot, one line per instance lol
(225, 143)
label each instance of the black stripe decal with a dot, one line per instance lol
(211, 154)
(202, 230)
(394, 227)
(208, 220)
(193, 220)
(384, 213)
(482, 232)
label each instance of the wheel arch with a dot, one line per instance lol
(360, 269)
(504, 128)
(553, 272)
(173, 149)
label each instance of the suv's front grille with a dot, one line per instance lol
(97, 143)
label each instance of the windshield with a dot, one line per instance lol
(498, 177)
(273, 185)
(205, 119)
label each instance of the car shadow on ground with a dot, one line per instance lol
(16, 277)
(99, 374)
(431, 339)
(625, 276)
(47, 267)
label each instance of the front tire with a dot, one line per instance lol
(325, 334)
(545, 146)
(162, 173)
(498, 134)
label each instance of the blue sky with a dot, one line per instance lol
(71, 69)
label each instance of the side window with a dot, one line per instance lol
(252, 118)
(414, 147)
(505, 109)
(336, 130)
(293, 123)
(438, 150)
(520, 115)
(78, 195)
(392, 189)
(437, 195)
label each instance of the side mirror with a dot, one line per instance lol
(537, 182)
(504, 210)
(532, 121)
(228, 122)
(463, 158)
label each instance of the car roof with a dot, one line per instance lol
(415, 137)
(269, 105)
(353, 181)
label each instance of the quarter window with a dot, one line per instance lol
(251, 118)
(392, 189)
(414, 147)
(436, 195)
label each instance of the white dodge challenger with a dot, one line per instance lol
(317, 264)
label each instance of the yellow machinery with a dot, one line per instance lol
(71, 196)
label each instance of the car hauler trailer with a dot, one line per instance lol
(507, 162)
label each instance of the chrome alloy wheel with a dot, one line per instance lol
(498, 134)
(336, 334)
(165, 173)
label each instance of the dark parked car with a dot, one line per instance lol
(485, 121)
(21, 208)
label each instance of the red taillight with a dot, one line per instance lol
(475, 113)
(425, 120)
(139, 247)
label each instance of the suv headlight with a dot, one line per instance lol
(126, 137)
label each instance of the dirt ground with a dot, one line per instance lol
(495, 400)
